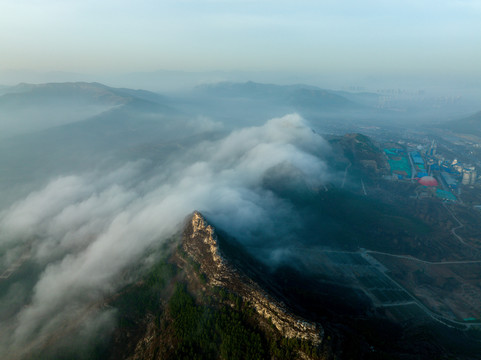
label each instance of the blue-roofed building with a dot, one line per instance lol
(445, 195)
(417, 158)
(449, 180)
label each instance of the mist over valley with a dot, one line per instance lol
(300, 187)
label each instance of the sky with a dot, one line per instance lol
(433, 37)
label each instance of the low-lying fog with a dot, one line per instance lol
(80, 231)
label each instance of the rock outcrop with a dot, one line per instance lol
(202, 244)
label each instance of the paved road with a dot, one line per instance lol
(439, 318)
(460, 226)
(400, 303)
(345, 175)
(413, 169)
(363, 188)
(414, 300)
(409, 257)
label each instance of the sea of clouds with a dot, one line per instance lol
(82, 231)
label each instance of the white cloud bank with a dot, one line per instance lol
(85, 230)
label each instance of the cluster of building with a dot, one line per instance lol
(431, 170)
(451, 172)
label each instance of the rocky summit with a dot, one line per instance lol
(208, 298)
(202, 244)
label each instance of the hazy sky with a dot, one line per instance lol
(371, 36)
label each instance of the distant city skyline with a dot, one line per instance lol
(386, 38)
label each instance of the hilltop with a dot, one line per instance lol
(467, 125)
(41, 94)
(29, 108)
(212, 304)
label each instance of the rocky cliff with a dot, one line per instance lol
(210, 299)
(218, 262)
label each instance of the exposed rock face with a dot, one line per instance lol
(201, 243)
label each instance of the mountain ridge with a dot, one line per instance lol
(201, 243)
(466, 125)
(209, 304)
(298, 96)
(86, 91)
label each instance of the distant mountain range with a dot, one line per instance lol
(40, 94)
(48, 129)
(74, 123)
(80, 93)
(30, 107)
(297, 96)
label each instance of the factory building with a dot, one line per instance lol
(469, 175)
(448, 180)
(417, 158)
(418, 163)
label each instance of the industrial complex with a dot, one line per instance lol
(437, 176)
